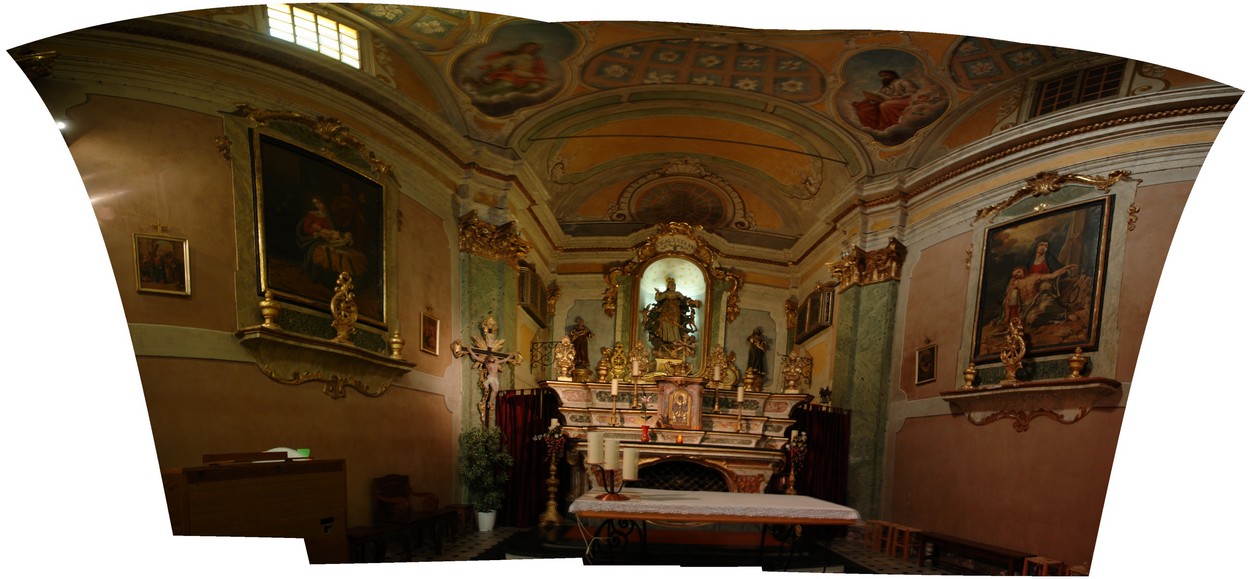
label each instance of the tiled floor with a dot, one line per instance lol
(473, 544)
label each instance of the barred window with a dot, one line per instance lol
(315, 32)
(1082, 86)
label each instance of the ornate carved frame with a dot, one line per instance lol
(683, 241)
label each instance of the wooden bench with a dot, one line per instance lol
(938, 550)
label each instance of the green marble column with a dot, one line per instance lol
(861, 382)
(488, 287)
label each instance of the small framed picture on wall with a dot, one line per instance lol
(162, 265)
(429, 334)
(926, 364)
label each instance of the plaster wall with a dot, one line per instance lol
(144, 163)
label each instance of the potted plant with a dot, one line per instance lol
(484, 464)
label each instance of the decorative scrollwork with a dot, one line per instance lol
(334, 386)
(500, 243)
(343, 309)
(1048, 182)
(328, 129)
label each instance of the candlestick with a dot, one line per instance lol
(634, 400)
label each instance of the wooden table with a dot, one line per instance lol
(622, 518)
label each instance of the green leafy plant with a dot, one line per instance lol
(484, 464)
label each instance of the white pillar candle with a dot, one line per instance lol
(616, 384)
(637, 369)
(611, 454)
(716, 373)
(594, 447)
(793, 433)
(555, 422)
(739, 394)
(630, 470)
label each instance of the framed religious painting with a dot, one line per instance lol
(162, 265)
(926, 364)
(429, 334)
(1048, 270)
(316, 219)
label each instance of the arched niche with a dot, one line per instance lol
(676, 251)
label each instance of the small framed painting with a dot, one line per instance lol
(162, 265)
(429, 334)
(926, 364)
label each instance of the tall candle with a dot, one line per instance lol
(739, 394)
(793, 433)
(716, 373)
(555, 422)
(594, 447)
(637, 369)
(630, 470)
(616, 384)
(611, 454)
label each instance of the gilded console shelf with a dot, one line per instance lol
(296, 359)
(1067, 400)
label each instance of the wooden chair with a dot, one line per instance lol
(906, 540)
(1038, 565)
(398, 509)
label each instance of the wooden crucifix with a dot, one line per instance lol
(488, 357)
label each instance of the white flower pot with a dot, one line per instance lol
(485, 521)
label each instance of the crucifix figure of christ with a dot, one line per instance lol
(488, 357)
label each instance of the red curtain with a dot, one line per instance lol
(825, 468)
(522, 415)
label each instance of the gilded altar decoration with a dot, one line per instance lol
(615, 360)
(1013, 352)
(1133, 210)
(1048, 182)
(343, 309)
(488, 357)
(796, 369)
(792, 313)
(970, 375)
(720, 366)
(502, 243)
(564, 359)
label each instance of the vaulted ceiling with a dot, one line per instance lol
(759, 136)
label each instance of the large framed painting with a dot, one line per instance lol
(1048, 270)
(316, 219)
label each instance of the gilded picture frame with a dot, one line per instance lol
(926, 364)
(1048, 269)
(162, 264)
(429, 334)
(317, 218)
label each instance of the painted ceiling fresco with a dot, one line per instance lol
(757, 134)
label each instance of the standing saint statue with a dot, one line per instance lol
(669, 321)
(580, 335)
(758, 346)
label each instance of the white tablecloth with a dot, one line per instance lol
(705, 503)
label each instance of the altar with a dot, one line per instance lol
(738, 434)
